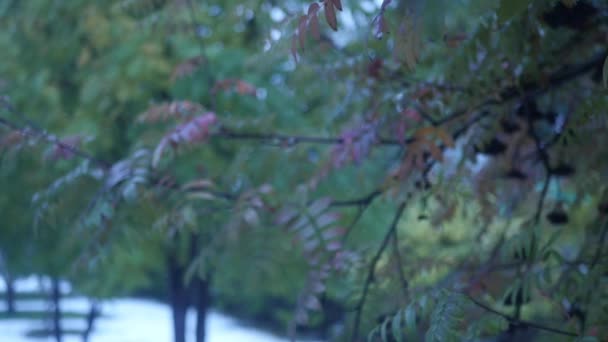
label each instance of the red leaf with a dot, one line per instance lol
(302, 30)
(294, 47)
(411, 114)
(169, 110)
(313, 9)
(330, 15)
(337, 4)
(245, 88)
(186, 68)
(454, 40)
(313, 25)
(193, 131)
(374, 68)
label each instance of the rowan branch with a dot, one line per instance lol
(34, 132)
(287, 140)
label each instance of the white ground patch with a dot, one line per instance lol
(125, 320)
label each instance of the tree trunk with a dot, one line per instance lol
(91, 317)
(178, 297)
(201, 287)
(10, 295)
(56, 297)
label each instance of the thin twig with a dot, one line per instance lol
(360, 210)
(519, 321)
(542, 153)
(534, 89)
(287, 140)
(38, 133)
(362, 201)
(372, 269)
(600, 247)
(402, 278)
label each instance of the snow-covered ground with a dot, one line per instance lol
(125, 320)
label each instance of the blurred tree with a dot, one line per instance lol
(435, 167)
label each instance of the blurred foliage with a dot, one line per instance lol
(402, 170)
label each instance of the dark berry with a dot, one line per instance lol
(516, 174)
(509, 127)
(575, 17)
(493, 147)
(563, 170)
(557, 217)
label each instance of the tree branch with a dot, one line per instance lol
(540, 149)
(363, 201)
(292, 140)
(519, 321)
(34, 132)
(534, 89)
(402, 278)
(372, 269)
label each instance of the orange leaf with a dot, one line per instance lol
(186, 68)
(445, 137)
(435, 151)
(330, 15)
(425, 132)
(245, 88)
(12, 138)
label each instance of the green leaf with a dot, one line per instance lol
(383, 330)
(396, 326)
(424, 304)
(510, 8)
(410, 317)
(372, 334)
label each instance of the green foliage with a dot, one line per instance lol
(131, 130)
